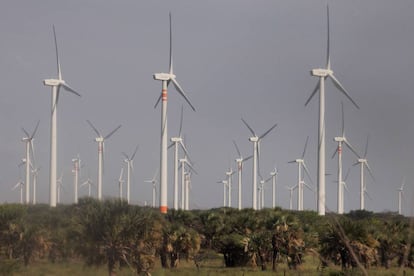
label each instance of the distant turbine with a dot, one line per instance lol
(101, 148)
(176, 141)
(340, 140)
(75, 170)
(56, 84)
(19, 184)
(239, 162)
(256, 154)
(183, 162)
(130, 167)
(400, 197)
(261, 196)
(364, 163)
(229, 175)
(89, 183)
(59, 182)
(154, 182)
(291, 196)
(301, 178)
(121, 182)
(29, 149)
(166, 79)
(273, 176)
(187, 190)
(322, 74)
(224, 182)
(35, 172)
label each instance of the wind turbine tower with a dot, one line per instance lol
(229, 174)
(56, 84)
(101, 145)
(129, 161)
(239, 162)
(256, 155)
(364, 163)
(400, 197)
(166, 78)
(76, 169)
(322, 74)
(29, 148)
(273, 176)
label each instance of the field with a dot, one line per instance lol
(213, 266)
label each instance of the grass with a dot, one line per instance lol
(210, 267)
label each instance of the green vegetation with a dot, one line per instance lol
(114, 238)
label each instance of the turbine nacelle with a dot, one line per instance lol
(339, 139)
(99, 139)
(321, 72)
(362, 160)
(176, 139)
(53, 82)
(163, 76)
(254, 139)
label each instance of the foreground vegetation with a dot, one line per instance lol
(112, 237)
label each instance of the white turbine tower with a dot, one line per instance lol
(364, 163)
(229, 175)
(29, 151)
(176, 142)
(340, 140)
(322, 74)
(302, 169)
(21, 185)
(166, 79)
(130, 167)
(76, 170)
(183, 162)
(291, 189)
(154, 182)
(59, 183)
(35, 172)
(89, 183)
(239, 162)
(121, 182)
(187, 190)
(56, 84)
(273, 176)
(400, 197)
(224, 182)
(101, 148)
(256, 155)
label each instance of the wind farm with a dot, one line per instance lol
(125, 93)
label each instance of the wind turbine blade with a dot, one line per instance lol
(304, 149)
(307, 186)
(158, 101)
(70, 89)
(307, 173)
(32, 152)
(328, 62)
(181, 91)
(181, 121)
(26, 133)
(341, 88)
(351, 148)
(267, 132)
(291, 162)
(135, 152)
(247, 125)
(184, 149)
(237, 148)
(370, 171)
(346, 187)
(57, 99)
(57, 54)
(402, 184)
(366, 147)
(343, 119)
(171, 55)
(333, 155)
(247, 158)
(313, 93)
(365, 191)
(35, 130)
(94, 128)
(347, 174)
(125, 155)
(112, 132)
(121, 175)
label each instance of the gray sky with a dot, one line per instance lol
(235, 59)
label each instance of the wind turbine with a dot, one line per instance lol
(322, 74)
(261, 192)
(89, 183)
(20, 184)
(101, 147)
(364, 163)
(166, 79)
(56, 84)
(340, 140)
(121, 182)
(224, 182)
(187, 190)
(400, 197)
(130, 167)
(154, 182)
(184, 161)
(35, 172)
(29, 149)
(273, 176)
(229, 175)
(76, 170)
(239, 162)
(256, 154)
(176, 141)
(302, 168)
(59, 182)
(291, 189)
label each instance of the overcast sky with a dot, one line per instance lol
(235, 59)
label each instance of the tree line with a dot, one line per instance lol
(117, 235)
